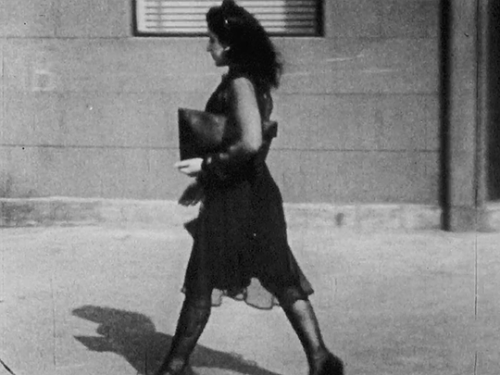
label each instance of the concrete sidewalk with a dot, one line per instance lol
(104, 300)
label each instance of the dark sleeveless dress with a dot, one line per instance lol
(240, 237)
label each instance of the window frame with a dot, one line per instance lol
(319, 32)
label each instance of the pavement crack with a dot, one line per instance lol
(476, 256)
(6, 367)
(54, 339)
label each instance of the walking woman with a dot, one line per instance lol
(240, 242)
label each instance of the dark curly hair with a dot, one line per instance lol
(250, 48)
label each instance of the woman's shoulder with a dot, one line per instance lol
(243, 80)
(237, 85)
(241, 85)
(238, 76)
(242, 90)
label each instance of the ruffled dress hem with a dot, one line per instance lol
(255, 295)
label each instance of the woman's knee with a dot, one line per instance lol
(199, 300)
(290, 295)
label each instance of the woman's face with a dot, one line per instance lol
(216, 49)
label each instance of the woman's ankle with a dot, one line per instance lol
(172, 366)
(319, 357)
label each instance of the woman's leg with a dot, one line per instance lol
(192, 321)
(301, 315)
(303, 319)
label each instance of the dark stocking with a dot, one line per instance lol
(192, 320)
(303, 319)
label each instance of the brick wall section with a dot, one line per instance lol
(88, 110)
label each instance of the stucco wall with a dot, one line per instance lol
(88, 110)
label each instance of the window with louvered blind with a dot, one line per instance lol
(187, 17)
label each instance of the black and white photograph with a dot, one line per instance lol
(249, 187)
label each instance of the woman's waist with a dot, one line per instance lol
(250, 172)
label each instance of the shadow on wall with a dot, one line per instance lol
(134, 337)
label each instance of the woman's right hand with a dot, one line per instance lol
(190, 167)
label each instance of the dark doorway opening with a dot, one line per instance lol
(493, 66)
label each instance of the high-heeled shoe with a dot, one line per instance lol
(332, 365)
(186, 370)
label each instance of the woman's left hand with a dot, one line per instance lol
(190, 167)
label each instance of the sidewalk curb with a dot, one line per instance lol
(82, 211)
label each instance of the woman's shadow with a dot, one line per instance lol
(134, 337)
